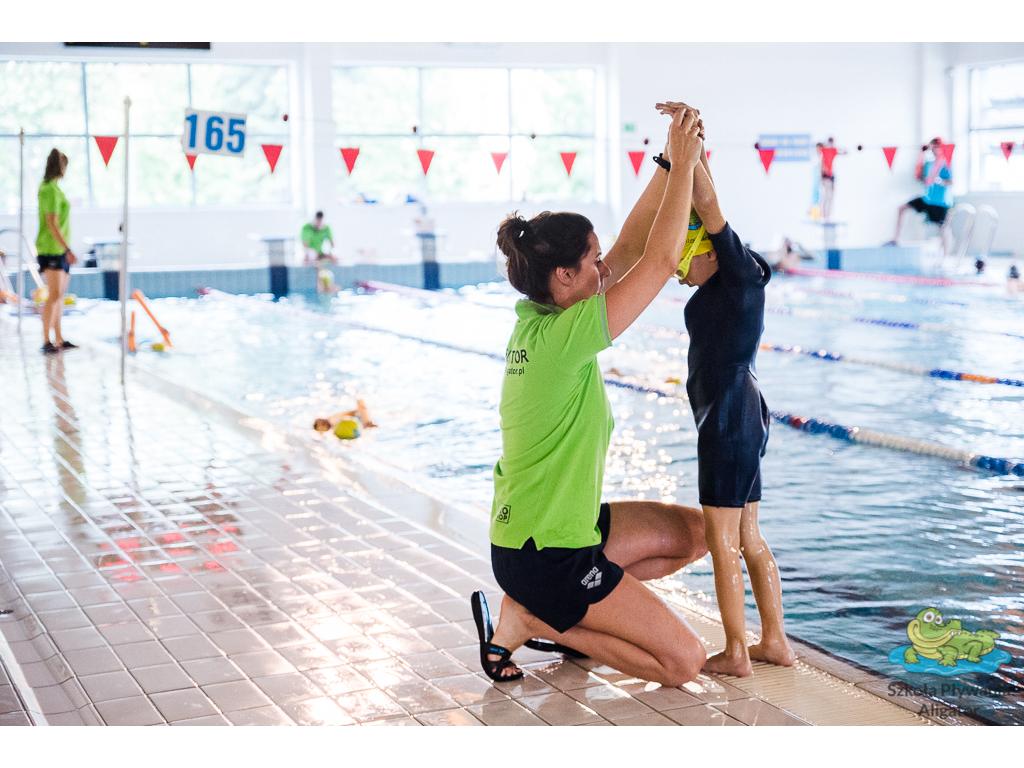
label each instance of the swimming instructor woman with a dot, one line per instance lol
(571, 567)
(53, 252)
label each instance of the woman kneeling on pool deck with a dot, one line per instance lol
(571, 567)
(725, 319)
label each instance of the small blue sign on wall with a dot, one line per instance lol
(789, 147)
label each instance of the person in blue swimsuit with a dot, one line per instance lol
(937, 178)
(725, 319)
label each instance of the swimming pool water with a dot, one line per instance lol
(865, 537)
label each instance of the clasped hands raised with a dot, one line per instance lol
(685, 142)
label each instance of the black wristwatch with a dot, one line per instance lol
(666, 164)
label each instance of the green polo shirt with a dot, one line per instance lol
(52, 200)
(314, 238)
(556, 423)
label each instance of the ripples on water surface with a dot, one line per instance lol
(864, 537)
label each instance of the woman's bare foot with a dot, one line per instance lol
(512, 631)
(774, 652)
(736, 665)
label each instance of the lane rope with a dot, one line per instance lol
(812, 426)
(934, 373)
(895, 298)
(875, 321)
(898, 443)
(886, 323)
(943, 282)
(622, 383)
(819, 354)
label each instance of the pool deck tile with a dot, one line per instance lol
(169, 560)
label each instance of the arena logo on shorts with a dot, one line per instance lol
(515, 362)
(592, 579)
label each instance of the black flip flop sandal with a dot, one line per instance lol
(550, 646)
(485, 631)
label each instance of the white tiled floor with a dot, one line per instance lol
(170, 562)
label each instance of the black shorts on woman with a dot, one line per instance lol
(558, 584)
(53, 261)
(725, 320)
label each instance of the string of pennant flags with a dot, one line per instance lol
(349, 155)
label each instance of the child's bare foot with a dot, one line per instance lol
(737, 665)
(777, 652)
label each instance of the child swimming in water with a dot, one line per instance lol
(725, 319)
(326, 425)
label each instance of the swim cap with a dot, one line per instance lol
(697, 242)
(348, 428)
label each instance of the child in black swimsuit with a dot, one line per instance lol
(725, 319)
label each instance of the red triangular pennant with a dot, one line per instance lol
(499, 160)
(568, 158)
(828, 154)
(767, 155)
(349, 155)
(708, 153)
(636, 158)
(272, 153)
(426, 156)
(947, 153)
(106, 146)
(890, 155)
(1007, 147)
(191, 162)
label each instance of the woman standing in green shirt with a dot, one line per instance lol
(571, 567)
(53, 253)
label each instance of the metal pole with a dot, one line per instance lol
(21, 221)
(123, 281)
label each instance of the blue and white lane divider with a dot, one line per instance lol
(820, 354)
(811, 426)
(895, 298)
(898, 443)
(623, 383)
(885, 323)
(876, 321)
(835, 357)
(934, 373)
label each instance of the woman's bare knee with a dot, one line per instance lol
(684, 663)
(690, 539)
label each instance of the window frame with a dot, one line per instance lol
(86, 134)
(976, 183)
(594, 138)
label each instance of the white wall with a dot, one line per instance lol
(856, 93)
(873, 94)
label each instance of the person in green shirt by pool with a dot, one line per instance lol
(572, 569)
(315, 238)
(53, 251)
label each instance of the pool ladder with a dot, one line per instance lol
(970, 226)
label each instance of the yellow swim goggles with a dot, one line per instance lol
(697, 242)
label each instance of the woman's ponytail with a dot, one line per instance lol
(534, 248)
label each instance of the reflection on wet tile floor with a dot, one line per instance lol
(169, 562)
